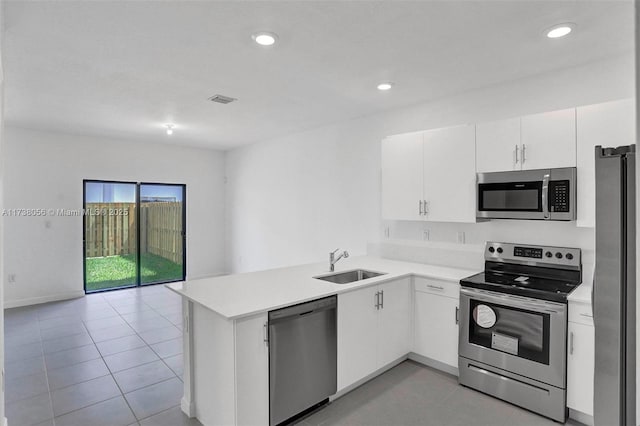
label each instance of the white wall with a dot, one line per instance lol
(45, 170)
(292, 199)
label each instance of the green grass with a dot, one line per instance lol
(119, 271)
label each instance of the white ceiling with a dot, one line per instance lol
(122, 69)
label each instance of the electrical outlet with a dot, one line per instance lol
(425, 234)
(11, 278)
(460, 237)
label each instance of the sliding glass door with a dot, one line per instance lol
(110, 235)
(134, 234)
(161, 233)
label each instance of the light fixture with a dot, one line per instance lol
(169, 128)
(385, 86)
(265, 38)
(559, 30)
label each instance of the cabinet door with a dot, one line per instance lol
(606, 124)
(498, 146)
(357, 335)
(549, 140)
(580, 365)
(402, 177)
(449, 174)
(394, 321)
(436, 328)
(252, 371)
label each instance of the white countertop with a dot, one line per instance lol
(582, 294)
(240, 295)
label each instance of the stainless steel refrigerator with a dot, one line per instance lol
(614, 293)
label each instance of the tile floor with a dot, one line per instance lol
(116, 359)
(412, 394)
(110, 358)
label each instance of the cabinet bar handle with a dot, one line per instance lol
(435, 287)
(420, 207)
(266, 333)
(426, 207)
(524, 153)
(516, 153)
(382, 299)
(571, 343)
(377, 304)
(457, 315)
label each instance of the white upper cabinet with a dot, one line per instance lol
(549, 140)
(607, 124)
(450, 174)
(430, 175)
(537, 141)
(402, 177)
(497, 144)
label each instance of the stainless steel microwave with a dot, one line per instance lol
(544, 194)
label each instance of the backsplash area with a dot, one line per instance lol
(438, 243)
(467, 256)
(564, 234)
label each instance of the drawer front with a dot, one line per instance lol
(442, 288)
(580, 313)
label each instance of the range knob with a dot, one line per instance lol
(559, 255)
(569, 256)
(499, 250)
(548, 254)
(491, 249)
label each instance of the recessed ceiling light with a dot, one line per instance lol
(560, 30)
(169, 128)
(265, 38)
(385, 86)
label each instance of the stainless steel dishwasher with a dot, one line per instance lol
(302, 358)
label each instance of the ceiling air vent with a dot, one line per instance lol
(221, 99)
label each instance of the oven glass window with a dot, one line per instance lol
(517, 196)
(516, 331)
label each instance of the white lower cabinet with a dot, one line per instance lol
(580, 367)
(374, 329)
(436, 327)
(394, 321)
(252, 371)
(357, 335)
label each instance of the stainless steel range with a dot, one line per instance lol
(513, 327)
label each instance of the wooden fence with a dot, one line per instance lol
(112, 231)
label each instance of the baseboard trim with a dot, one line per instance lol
(365, 379)
(438, 365)
(583, 418)
(188, 408)
(42, 299)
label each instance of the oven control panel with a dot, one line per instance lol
(533, 252)
(533, 255)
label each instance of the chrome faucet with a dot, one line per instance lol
(333, 259)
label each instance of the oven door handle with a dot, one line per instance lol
(515, 301)
(545, 196)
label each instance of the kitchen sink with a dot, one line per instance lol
(350, 276)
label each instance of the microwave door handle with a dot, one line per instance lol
(545, 196)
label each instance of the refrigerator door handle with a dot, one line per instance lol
(545, 196)
(593, 294)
